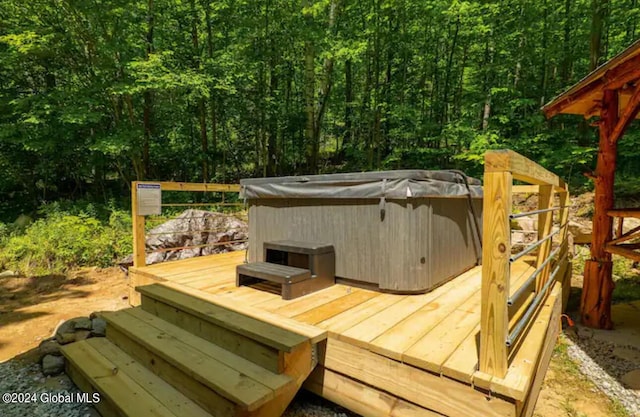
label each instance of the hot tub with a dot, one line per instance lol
(403, 231)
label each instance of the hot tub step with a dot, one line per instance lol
(293, 282)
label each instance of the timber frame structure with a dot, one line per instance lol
(611, 92)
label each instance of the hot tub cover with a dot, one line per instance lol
(400, 185)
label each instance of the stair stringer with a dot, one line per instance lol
(298, 365)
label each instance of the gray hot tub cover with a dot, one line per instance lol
(396, 185)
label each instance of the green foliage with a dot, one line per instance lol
(61, 240)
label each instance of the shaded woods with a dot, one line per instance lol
(94, 94)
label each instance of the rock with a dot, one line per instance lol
(99, 326)
(68, 326)
(7, 274)
(52, 365)
(65, 338)
(82, 335)
(628, 354)
(83, 323)
(525, 223)
(581, 233)
(585, 332)
(49, 347)
(193, 228)
(631, 379)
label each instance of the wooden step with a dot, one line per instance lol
(253, 328)
(217, 379)
(313, 333)
(281, 274)
(126, 388)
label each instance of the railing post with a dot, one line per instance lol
(139, 257)
(496, 250)
(545, 222)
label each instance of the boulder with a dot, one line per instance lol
(65, 338)
(207, 230)
(631, 379)
(82, 335)
(52, 365)
(99, 327)
(49, 347)
(581, 232)
(82, 323)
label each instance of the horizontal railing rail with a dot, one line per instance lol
(507, 306)
(143, 205)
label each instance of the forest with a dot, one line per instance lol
(97, 93)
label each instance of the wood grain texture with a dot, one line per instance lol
(494, 318)
(545, 223)
(521, 168)
(433, 392)
(361, 398)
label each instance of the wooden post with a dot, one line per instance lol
(595, 305)
(545, 222)
(496, 250)
(139, 258)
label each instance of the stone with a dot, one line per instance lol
(65, 338)
(82, 335)
(52, 365)
(628, 354)
(585, 332)
(83, 323)
(7, 274)
(49, 347)
(631, 379)
(99, 327)
(193, 227)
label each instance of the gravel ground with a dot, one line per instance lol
(596, 360)
(46, 395)
(25, 377)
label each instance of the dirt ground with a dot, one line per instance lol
(31, 309)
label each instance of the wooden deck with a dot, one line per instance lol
(386, 354)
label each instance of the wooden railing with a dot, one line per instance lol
(139, 218)
(509, 307)
(625, 243)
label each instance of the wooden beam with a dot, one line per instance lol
(622, 251)
(496, 249)
(595, 306)
(603, 79)
(522, 169)
(194, 186)
(630, 113)
(626, 212)
(139, 240)
(631, 234)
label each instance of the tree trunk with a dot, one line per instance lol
(348, 103)
(567, 59)
(148, 101)
(202, 106)
(212, 99)
(599, 8)
(595, 306)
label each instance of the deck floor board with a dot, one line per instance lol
(437, 331)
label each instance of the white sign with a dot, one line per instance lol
(149, 199)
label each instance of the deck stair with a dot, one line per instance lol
(294, 268)
(182, 355)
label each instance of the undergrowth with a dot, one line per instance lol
(62, 239)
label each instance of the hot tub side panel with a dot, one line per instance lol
(455, 244)
(416, 245)
(362, 241)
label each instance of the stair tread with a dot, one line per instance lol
(254, 328)
(127, 384)
(277, 269)
(235, 378)
(281, 274)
